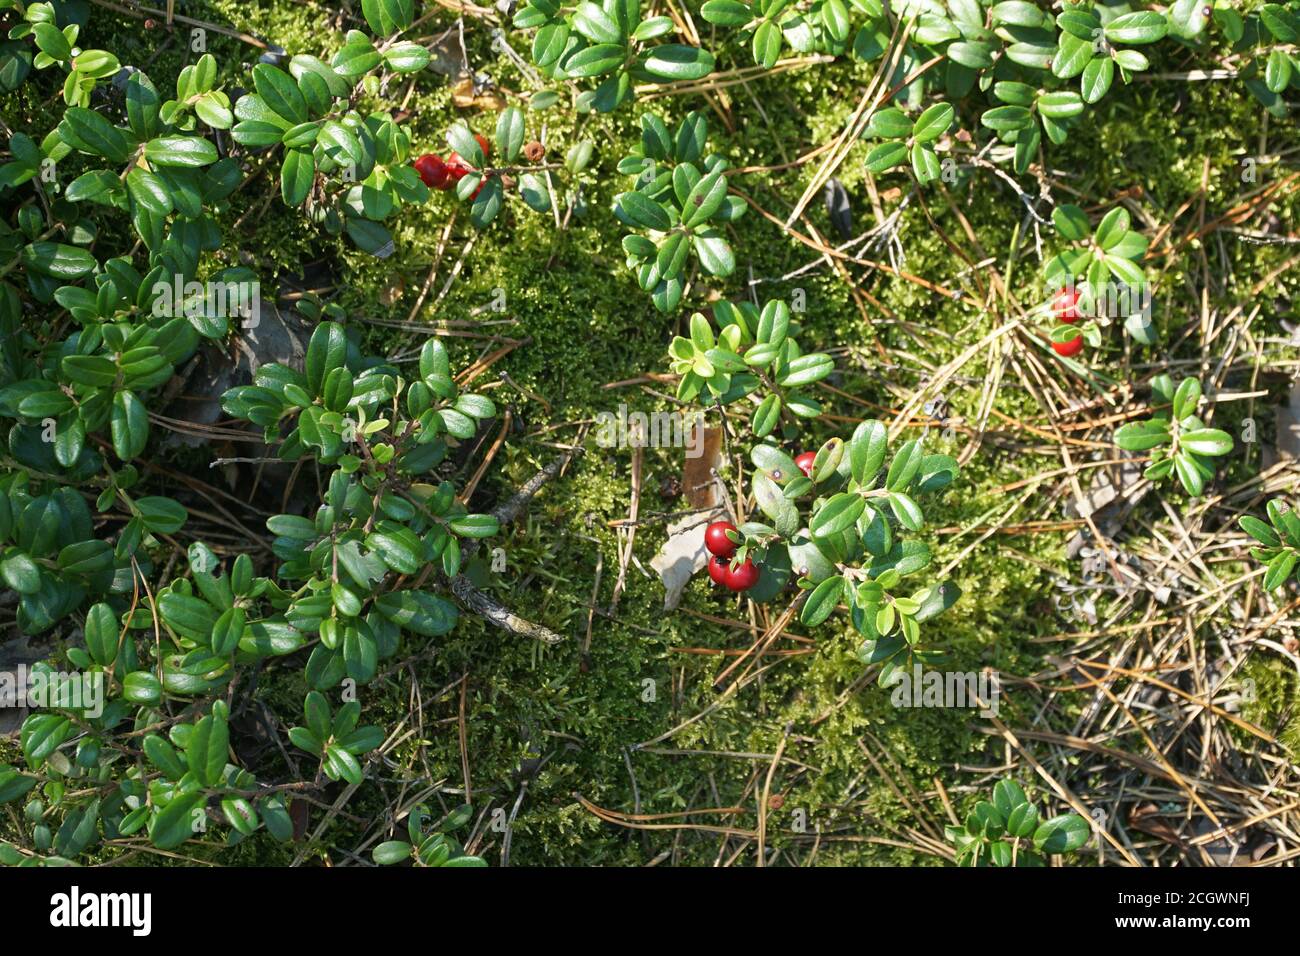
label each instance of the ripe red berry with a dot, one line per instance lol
(483, 145)
(457, 167)
(718, 568)
(716, 540)
(433, 171)
(1065, 305)
(805, 462)
(1072, 347)
(742, 578)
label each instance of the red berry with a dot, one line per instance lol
(1072, 347)
(483, 145)
(432, 170)
(742, 578)
(1065, 305)
(805, 462)
(457, 169)
(718, 569)
(716, 540)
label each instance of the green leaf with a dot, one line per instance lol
(674, 61)
(206, 751)
(394, 851)
(886, 156)
(1279, 569)
(189, 152)
(149, 191)
(704, 199)
(727, 13)
(867, 450)
(840, 512)
(87, 131)
(1073, 55)
(644, 211)
(326, 351)
(58, 261)
(977, 56)
(407, 57)
(822, 601)
(129, 423)
(1061, 104)
(1141, 26)
(1186, 398)
(907, 511)
(174, 824)
(1112, 228)
(475, 526)
(766, 44)
(1206, 441)
(1005, 118)
(1140, 436)
(142, 687)
(161, 515)
(925, 164)
(891, 123)
(1260, 531)
(933, 123)
(596, 60)
(1022, 820)
(906, 463)
(280, 93)
(297, 173)
(417, 611)
(101, 633)
(1063, 833)
(20, 572)
(1007, 795)
(1188, 474)
(510, 133)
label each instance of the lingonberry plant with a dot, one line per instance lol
(610, 41)
(906, 140)
(1098, 277)
(54, 45)
(1265, 37)
(754, 352)
(429, 844)
(1280, 537)
(1178, 439)
(378, 525)
(482, 184)
(1009, 831)
(680, 198)
(843, 533)
(769, 25)
(307, 113)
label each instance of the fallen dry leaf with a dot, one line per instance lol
(463, 96)
(683, 553)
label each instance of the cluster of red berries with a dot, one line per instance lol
(721, 548)
(1065, 308)
(444, 174)
(717, 541)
